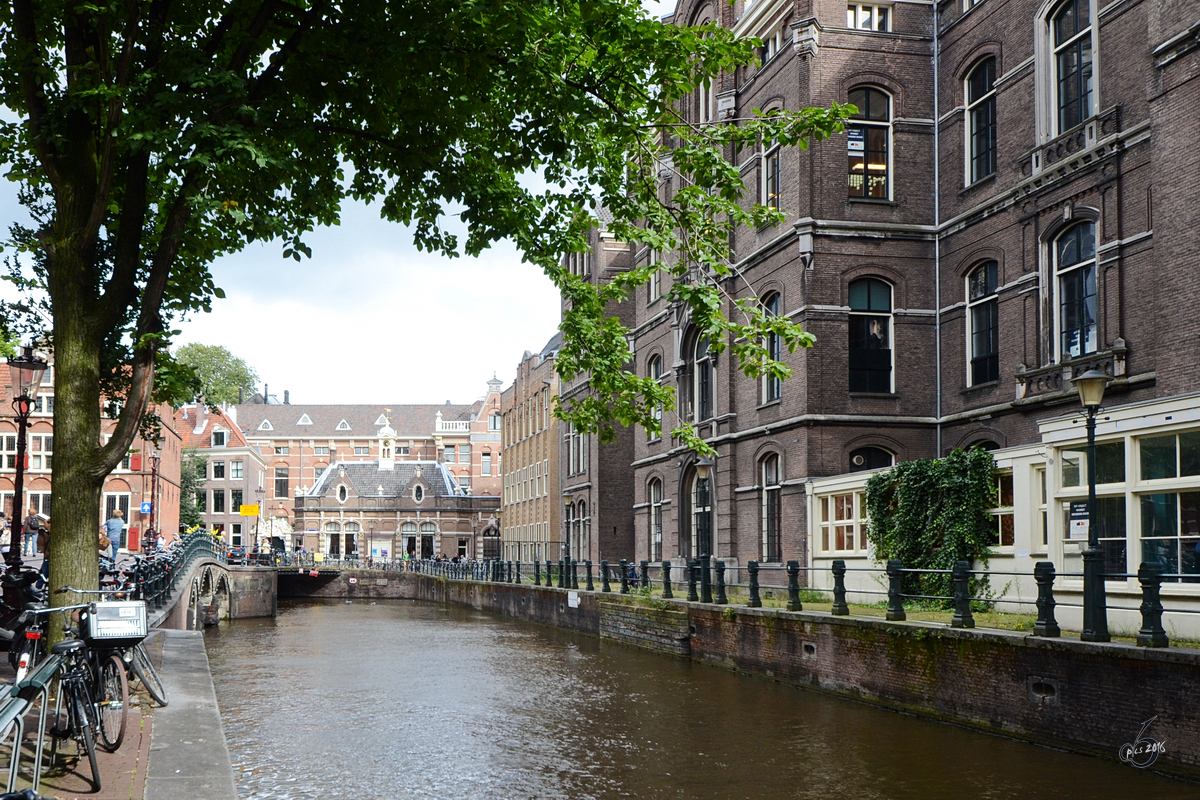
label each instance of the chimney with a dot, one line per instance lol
(287, 399)
(241, 399)
(266, 394)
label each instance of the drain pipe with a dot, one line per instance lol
(937, 242)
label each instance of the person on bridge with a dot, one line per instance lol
(112, 528)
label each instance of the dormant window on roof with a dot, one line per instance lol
(343, 426)
(218, 438)
(304, 420)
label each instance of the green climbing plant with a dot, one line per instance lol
(931, 513)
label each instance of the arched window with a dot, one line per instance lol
(351, 527)
(1071, 36)
(870, 336)
(1075, 268)
(981, 113)
(700, 538)
(772, 544)
(342, 493)
(418, 493)
(654, 370)
(408, 527)
(867, 143)
(772, 386)
(656, 510)
(983, 310)
(332, 527)
(985, 444)
(702, 381)
(771, 168)
(865, 458)
(428, 527)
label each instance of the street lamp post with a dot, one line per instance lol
(1091, 386)
(703, 474)
(568, 507)
(25, 371)
(261, 495)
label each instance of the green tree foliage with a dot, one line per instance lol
(930, 513)
(150, 137)
(194, 471)
(221, 373)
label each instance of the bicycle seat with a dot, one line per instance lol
(69, 646)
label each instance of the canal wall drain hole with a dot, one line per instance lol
(561, 608)
(810, 650)
(1043, 691)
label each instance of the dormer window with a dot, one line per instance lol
(382, 420)
(343, 426)
(342, 493)
(265, 425)
(418, 493)
(218, 438)
(304, 420)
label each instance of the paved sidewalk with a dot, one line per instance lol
(188, 758)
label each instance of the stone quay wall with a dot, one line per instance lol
(1079, 696)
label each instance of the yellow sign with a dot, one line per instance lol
(250, 511)
(318, 557)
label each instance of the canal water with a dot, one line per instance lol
(402, 699)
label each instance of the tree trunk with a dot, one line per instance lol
(75, 516)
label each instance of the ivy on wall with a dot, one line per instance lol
(932, 512)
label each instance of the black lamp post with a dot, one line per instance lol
(1091, 386)
(261, 495)
(703, 475)
(26, 372)
(568, 507)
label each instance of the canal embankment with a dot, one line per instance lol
(1084, 697)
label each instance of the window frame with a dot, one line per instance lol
(984, 105)
(770, 167)
(772, 386)
(654, 494)
(888, 316)
(828, 506)
(703, 380)
(872, 10)
(1079, 267)
(989, 303)
(862, 120)
(1057, 49)
(771, 507)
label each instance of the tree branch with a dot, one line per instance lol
(33, 89)
(289, 47)
(140, 385)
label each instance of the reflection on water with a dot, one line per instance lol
(402, 699)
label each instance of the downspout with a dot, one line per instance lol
(937, 241)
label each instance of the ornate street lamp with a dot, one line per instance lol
(704, 468)
(26, 372)
(261, 495)
(1091, 385)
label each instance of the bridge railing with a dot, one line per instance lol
(157, 577)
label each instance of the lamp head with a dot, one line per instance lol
(1091, 385)
(704, 468)
(26, 372)
(567, 502)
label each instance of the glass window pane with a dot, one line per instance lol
(1006, 491)
(1110, 462)
(1006, 530)
(1189, 453)
(1159, 515)
(1158, 457)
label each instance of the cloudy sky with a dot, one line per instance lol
(369, 318)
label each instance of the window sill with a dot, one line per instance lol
(871, 201)
(980, 388)
(769, 404)
(984, 181)
(878, 395)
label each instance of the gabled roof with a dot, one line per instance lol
(196, 423)
(364, 421)
(365, 477)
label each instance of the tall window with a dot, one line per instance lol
(772, 546)
(218, 501)
(770, 173)
(486, 467)
(701, 528)
(281, 481)
(870, 336)
(654, 285)
(867, 140)
(772, 386)
(983, 309)
(654, 370)
(981, 110)
(1071, 31)
(656, 510)
(702, 382)
(1075, 266)
(494, 422)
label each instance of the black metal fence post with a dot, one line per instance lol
(706, 578)
(840, 609)
(692, 569)
(604, 587)
(574, 573)
(793, 573)
(591, 587)
(1152, 633)
(549, 573)
(624, 576)
(562, 573)
(720, 598)
(755, 601)
(895, 609)
(1046, 625)
(961, 575)
(666, 579)
(510, 572)
(517, 566)
(645, 574)
(537, 572)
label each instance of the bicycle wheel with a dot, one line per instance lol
(112, 700)
(85, 732)
(144, 669)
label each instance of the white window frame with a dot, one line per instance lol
(827, 523)
(771, 165)
(869, 13)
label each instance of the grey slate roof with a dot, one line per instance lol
(365, 477)
(551, 347)
(406, 420)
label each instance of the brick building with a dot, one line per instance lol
(300, 441)
(959, 259)
(385, 507)
(531, 511)
(234, 471)
(148, 474)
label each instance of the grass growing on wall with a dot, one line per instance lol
(931, 513)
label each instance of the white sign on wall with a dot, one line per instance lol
(573, 599)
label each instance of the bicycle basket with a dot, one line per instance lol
(117, 620)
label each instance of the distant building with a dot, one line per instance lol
(233, 472)
(385, 507)
(531, 511)
(300, 441)
(144, 486)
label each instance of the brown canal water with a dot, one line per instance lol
(402, 699)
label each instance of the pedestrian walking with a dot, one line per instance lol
(29, 534)
(112, 528)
